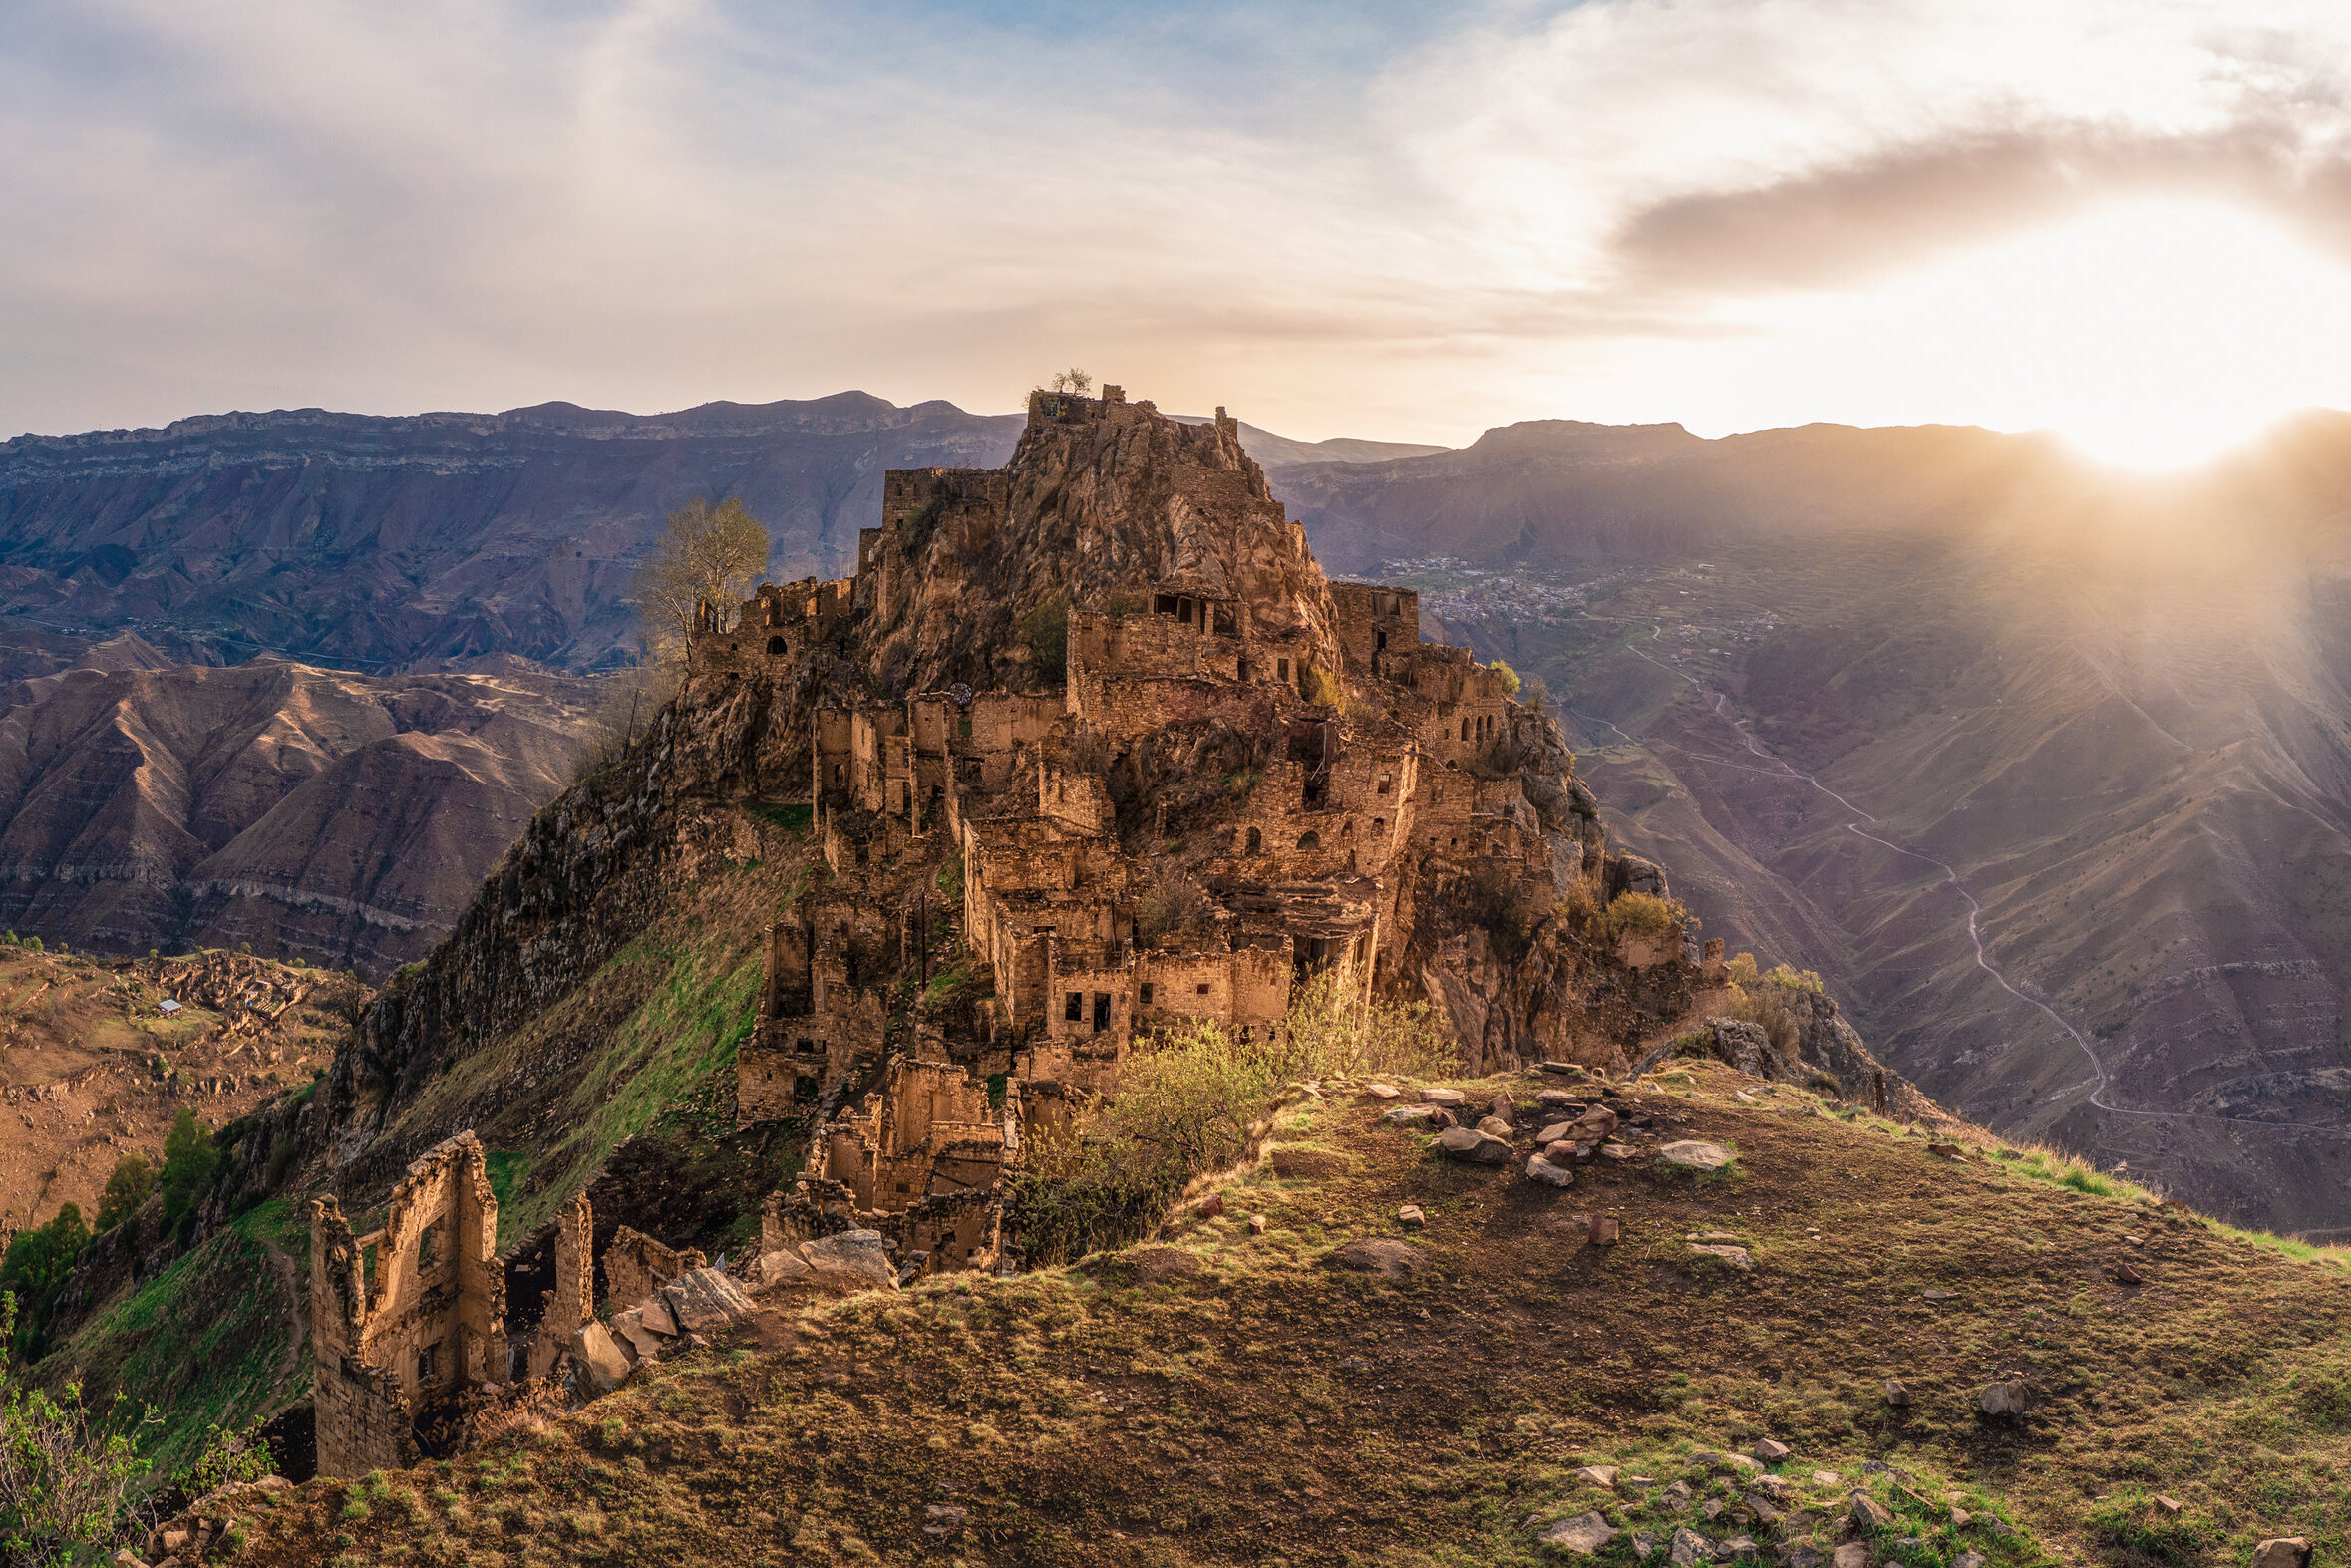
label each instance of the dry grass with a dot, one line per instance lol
(1254, 1405)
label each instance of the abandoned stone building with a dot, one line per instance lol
(1230, 777)
(407, 1314)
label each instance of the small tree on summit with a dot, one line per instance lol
(1073, 381)
(707, 555)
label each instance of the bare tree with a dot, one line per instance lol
(1074, 381)
(708, 555)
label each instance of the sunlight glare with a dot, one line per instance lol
(2151, 334)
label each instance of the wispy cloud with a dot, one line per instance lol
(1379, 220)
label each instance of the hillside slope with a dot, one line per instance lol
(333, 817)
(395, 544)
(2112, 709)
(1228, 1397)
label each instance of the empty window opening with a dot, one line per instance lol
(1101, 1011)
(1224, 621)
(776, 647)
(1378, 641)
(1347, 828)
(428, 1363)
(963, 725)
(1072, 1007)
(1465, 728)
(1379, 825)
(1147, 993)
(1310, 840)
(1256, 841)
(429, 1248)
(1164, 603)
(1245, 669)
(1183, 611)
(1387, 783)
(1201, 990)
(1281, 669)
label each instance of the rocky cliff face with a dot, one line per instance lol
(331, 817)
(395, 544)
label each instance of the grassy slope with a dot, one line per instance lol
(660, 1019)
(1232, 1400)
(210, 1339)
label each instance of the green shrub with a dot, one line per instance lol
(1643, 914)
(190, 1164)
(1510, 678)
(1318, 685)
(1185, 1100)
(1045, 632)
(128, 1187)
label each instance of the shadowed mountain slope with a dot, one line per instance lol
(327, 817)
(1848, 682)
(391, 544)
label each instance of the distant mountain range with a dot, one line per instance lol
(2116, 710)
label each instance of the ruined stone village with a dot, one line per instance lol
(1231, 779)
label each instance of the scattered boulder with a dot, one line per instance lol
(1495, 1127)
(2168, 1507)
(1968, 1560)
(1383, 1090)
(1602, 1231)
(1584, 1535)
(705, 1299)
(600, 1360)
(1895, 1394)
(1442, 1096)
(1693, 1156)
(1769, 1451)
(1257, 1224)
(2003, 1400)
(1946, 1152)
(852, 1252)
(1868, 1513)
(1729, 1257)
(1471, 1146)
(1556, 1132)
(1411, 1217)
(1503, 1107)
(1545, 1171)
(1800, 1554)
(1381, 1255)
(1615, 1152)
(1556, 1098)
(1210, 1207)
(1563, 1069)
(1689, 1548)
(2125, 1274)
(1738, 1546)
(2285, 1551)
(778, 1266)
(1677, 1496)
(1599, 1476)
(1595, 1124)
(1406, 1115)
(1852, 1554)
(1765, 1510)
(1147, 1266)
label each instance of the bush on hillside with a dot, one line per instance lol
(1318, 685)
(66, 1473)
(189, 1163)
(1045, 632)
(1642, 914)
(128, 1187)
(1509, 677)
(1184, 1105)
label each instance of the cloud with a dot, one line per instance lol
(1338, 217)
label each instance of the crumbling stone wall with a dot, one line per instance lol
(635, 1265)
(405, 1314)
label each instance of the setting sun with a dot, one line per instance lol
(2151, 334)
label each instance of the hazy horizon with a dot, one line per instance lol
(2130, 223)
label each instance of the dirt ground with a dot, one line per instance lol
(91, 1070)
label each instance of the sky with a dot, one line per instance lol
(2127, 221)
